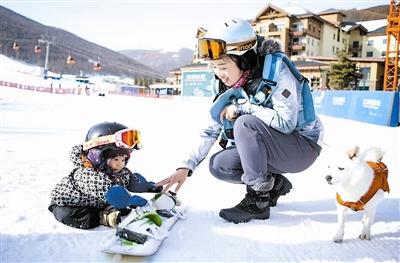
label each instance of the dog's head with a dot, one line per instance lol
(350, 165)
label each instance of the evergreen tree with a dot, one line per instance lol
(342, 73)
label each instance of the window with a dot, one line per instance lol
(334, 36)
(263, 29)
(280, 27)
(363, 83)
(370, 42)
(272, 27)
(383, 54)
(298, 26)
(356, 44)
(296, 40)
(315, 82)
(370, 54)
(384, 41)
(312, 42)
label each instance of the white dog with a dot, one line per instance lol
(360, 180)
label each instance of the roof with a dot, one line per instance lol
(296, 10)
(331, 11)
(373, 25)
(304, 64)
(379, 31)
(312, 15)
(272, 7)
(349, 28)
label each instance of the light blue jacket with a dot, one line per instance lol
(282, 114)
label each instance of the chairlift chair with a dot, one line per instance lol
(70, 60)
(38, 49)
(97, 66)
(16, 46)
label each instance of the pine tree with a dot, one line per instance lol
(342, 72)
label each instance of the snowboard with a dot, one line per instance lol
(143, 231)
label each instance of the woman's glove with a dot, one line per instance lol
(139, 184)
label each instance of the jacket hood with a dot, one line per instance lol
(267, 45)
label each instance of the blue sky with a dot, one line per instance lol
(153, 24)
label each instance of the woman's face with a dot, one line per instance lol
(226, 70)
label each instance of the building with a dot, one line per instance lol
(312, 41)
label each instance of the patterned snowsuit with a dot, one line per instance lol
(79, 197)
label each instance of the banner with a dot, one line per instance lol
(199, 83)
(378, 107)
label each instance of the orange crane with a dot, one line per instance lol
(390, 81)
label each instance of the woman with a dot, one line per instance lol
(270, 137)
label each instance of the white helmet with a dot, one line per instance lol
(233, 37)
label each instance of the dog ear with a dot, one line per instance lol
(353, 152)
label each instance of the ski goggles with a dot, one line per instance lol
(127, 138)
(211, 49)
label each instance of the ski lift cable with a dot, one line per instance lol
(90, 56)
(84, 53)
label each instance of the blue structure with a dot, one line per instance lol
(377, 107)
(199, 83)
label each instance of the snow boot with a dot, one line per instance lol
(255, 205)
(281, 187)
(109, 216)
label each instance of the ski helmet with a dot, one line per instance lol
(99, 155)
(234, 37)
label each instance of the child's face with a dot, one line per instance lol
(117, 163)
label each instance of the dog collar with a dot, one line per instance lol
(378, 182)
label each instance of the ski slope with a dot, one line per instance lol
(37, 131)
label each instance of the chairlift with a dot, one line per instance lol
(16, 46)
(38, 49)
(70, 60)
(97, 66)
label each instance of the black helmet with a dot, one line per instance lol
(99, 154)
(103, 129)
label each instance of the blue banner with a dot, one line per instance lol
(199, 83)
(378, 107)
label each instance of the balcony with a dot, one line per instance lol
(355, 48)
(298, 46)
(298, 33)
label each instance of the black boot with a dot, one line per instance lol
(281, 187)
(255, 205)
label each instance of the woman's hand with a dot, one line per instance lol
(179, 177)
(229, 113)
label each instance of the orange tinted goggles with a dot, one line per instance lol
(127, 138)
(211, 49)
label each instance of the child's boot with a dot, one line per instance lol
(110, 216)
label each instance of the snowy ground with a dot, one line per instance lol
(38, 129)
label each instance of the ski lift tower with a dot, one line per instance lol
(390, 82)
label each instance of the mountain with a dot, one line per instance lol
(161, 60)
(371, 13)
(27, 32)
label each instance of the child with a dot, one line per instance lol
(79, 199)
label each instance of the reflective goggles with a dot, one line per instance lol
(127, 138)
(211, 49)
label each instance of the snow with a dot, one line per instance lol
(296, 10)
(37, 131)
(373, 25)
